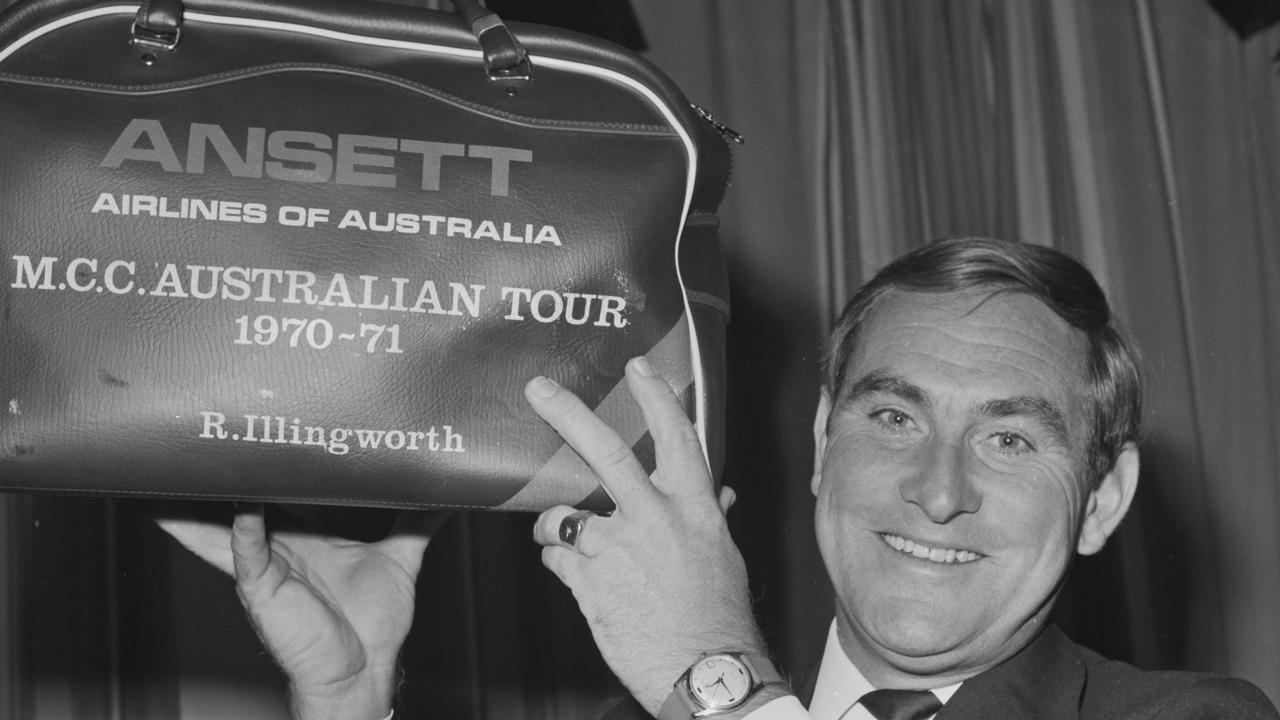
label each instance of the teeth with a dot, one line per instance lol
(924, 552)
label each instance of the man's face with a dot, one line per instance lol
(950, 489)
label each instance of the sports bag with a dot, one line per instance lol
(311, 251)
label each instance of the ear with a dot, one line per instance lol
(1109, 502)
(820, 438)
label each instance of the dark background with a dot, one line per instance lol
(1139, 136)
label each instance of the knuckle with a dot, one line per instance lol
(548, 559)
(573, 410)
(540, 527)
(680, 431)
(546, 529)
(616, 455)
(686, 436)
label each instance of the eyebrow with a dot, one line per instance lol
(880, 382)
(1034, 407)
(1037, 408)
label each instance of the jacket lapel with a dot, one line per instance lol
(1044, 680)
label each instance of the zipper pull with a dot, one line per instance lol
(725, 131)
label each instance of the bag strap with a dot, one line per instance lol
(158, 24)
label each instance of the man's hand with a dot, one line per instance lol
(660, 580)
(333, 613)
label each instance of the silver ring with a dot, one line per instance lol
(572, 525)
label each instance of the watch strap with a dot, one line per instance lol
(761, 668)
(676, 706)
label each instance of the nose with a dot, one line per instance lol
(942, 485)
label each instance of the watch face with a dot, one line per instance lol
(719, 681)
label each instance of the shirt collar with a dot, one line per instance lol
(840, 683)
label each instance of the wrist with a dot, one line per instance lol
(724, 685)
(368, 695)
(744, 639)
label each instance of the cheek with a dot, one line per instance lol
(854, 492)
(862, 477)
(1042, 509)
(848, 480)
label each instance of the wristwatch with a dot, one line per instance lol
(721, 685)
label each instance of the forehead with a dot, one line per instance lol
(974, 343)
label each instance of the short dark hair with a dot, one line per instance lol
(1057, 280)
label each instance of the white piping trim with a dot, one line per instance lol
(332, 34)
(700, 395)
(695, 351)
(64, 22)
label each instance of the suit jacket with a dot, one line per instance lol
(1056, 679)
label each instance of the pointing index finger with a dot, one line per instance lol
(600, 447)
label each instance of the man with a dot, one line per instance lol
(975, 431)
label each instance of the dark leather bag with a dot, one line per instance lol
(311, 251)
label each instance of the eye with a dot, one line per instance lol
(1011, 443)
(891, 420)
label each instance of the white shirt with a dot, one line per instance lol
(839, 686)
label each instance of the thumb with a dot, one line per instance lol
(250, 549)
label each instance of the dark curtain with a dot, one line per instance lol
(1140, 136)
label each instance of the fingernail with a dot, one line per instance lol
(543, 387)
(643, 366)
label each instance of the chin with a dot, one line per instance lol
(944, 647)
(918, 640)
(921, 632)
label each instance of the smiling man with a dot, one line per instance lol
(951, 489)
(976, 430)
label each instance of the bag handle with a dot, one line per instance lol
(504, 58)
(158, 24)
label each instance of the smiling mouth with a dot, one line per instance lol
(932, 554)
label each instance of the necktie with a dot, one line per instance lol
(901, 704)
